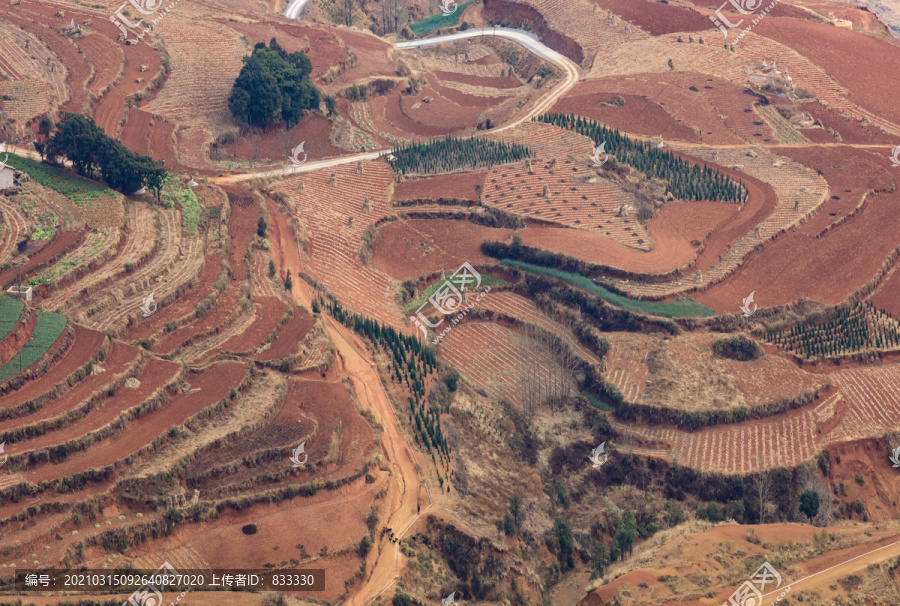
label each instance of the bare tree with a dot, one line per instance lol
(762, 493)
(285, 140)
(547, 371)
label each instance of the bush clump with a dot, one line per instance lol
(738, 348)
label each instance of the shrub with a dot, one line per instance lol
(738, 348)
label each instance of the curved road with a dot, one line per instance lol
(521, 37)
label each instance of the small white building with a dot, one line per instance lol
(21, 292)
(7, 176)
(843, 23)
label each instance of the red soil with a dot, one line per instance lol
(119, 356)
(208, 387)
(272, 144)
(289, 336)
(162, 145)
(242, 226)
(18, 336)
(372, 53)
(827, 269)
(456, 185)
(319, 44)
(858, 173)
(639, 115)
(851, 131)
(136, 131)
(657, 18)
(59, 243)
(154, 376)
(490, 81)
(859, 63)
(408, 249)
(888, 295)
(269, 311)
(672, 231)
(84, 346)
(396, 116)
(146, 327)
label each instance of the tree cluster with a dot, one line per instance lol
(685, 181)
(273, 86)
(453, 153)
(87, 147)
(862, 326)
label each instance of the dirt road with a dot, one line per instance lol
(405, 482)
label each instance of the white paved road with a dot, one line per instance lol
(525, 39)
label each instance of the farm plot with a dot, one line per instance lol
(10, 313)
(873, 407)
(139, 244)
(97, 247)
(794, 185)
(206, 388)
(154, 377)
(415, 247)
(289, 337)
(48, 329)
(435, 187)
(336, 232)
(14, 226)
(568, 193)
(120, 360)
(269, 311)
(85, 345)
(321, 414)
(490, 357)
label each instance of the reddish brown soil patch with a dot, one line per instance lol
(639, 115)
(826, 269)
(60, 242)
(268, 313)
(119, 356)
(86, 344)
(407, 249)
(289, 336)
(454, 186)
(849, 177)
(857, 62)
(208, 387)
(146, 327)
(162, 145)
(850, 130)
(272, 144)
(888, 295)
(372, 53)
(672, 231)
(18, 336)
(135, 133)
(398, 117)
(242, 225)
(490, 81)
(155, 375)
(656, 18)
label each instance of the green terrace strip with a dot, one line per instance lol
(47, 330)
(429, 24)
(485, 281)
(453, 153)
(190, 210)
(10, 312)
(82, 256)
(595, 402)
(77, 189)
(681, 308)
(685, 181)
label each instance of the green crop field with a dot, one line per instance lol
(429, 24)
(681, 308)
(10, 312)
(412, 305)
(75, 188)
(46, 332)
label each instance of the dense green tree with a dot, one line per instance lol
(626, 535)
(809, 503)
(565, 544)
(273, 86)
